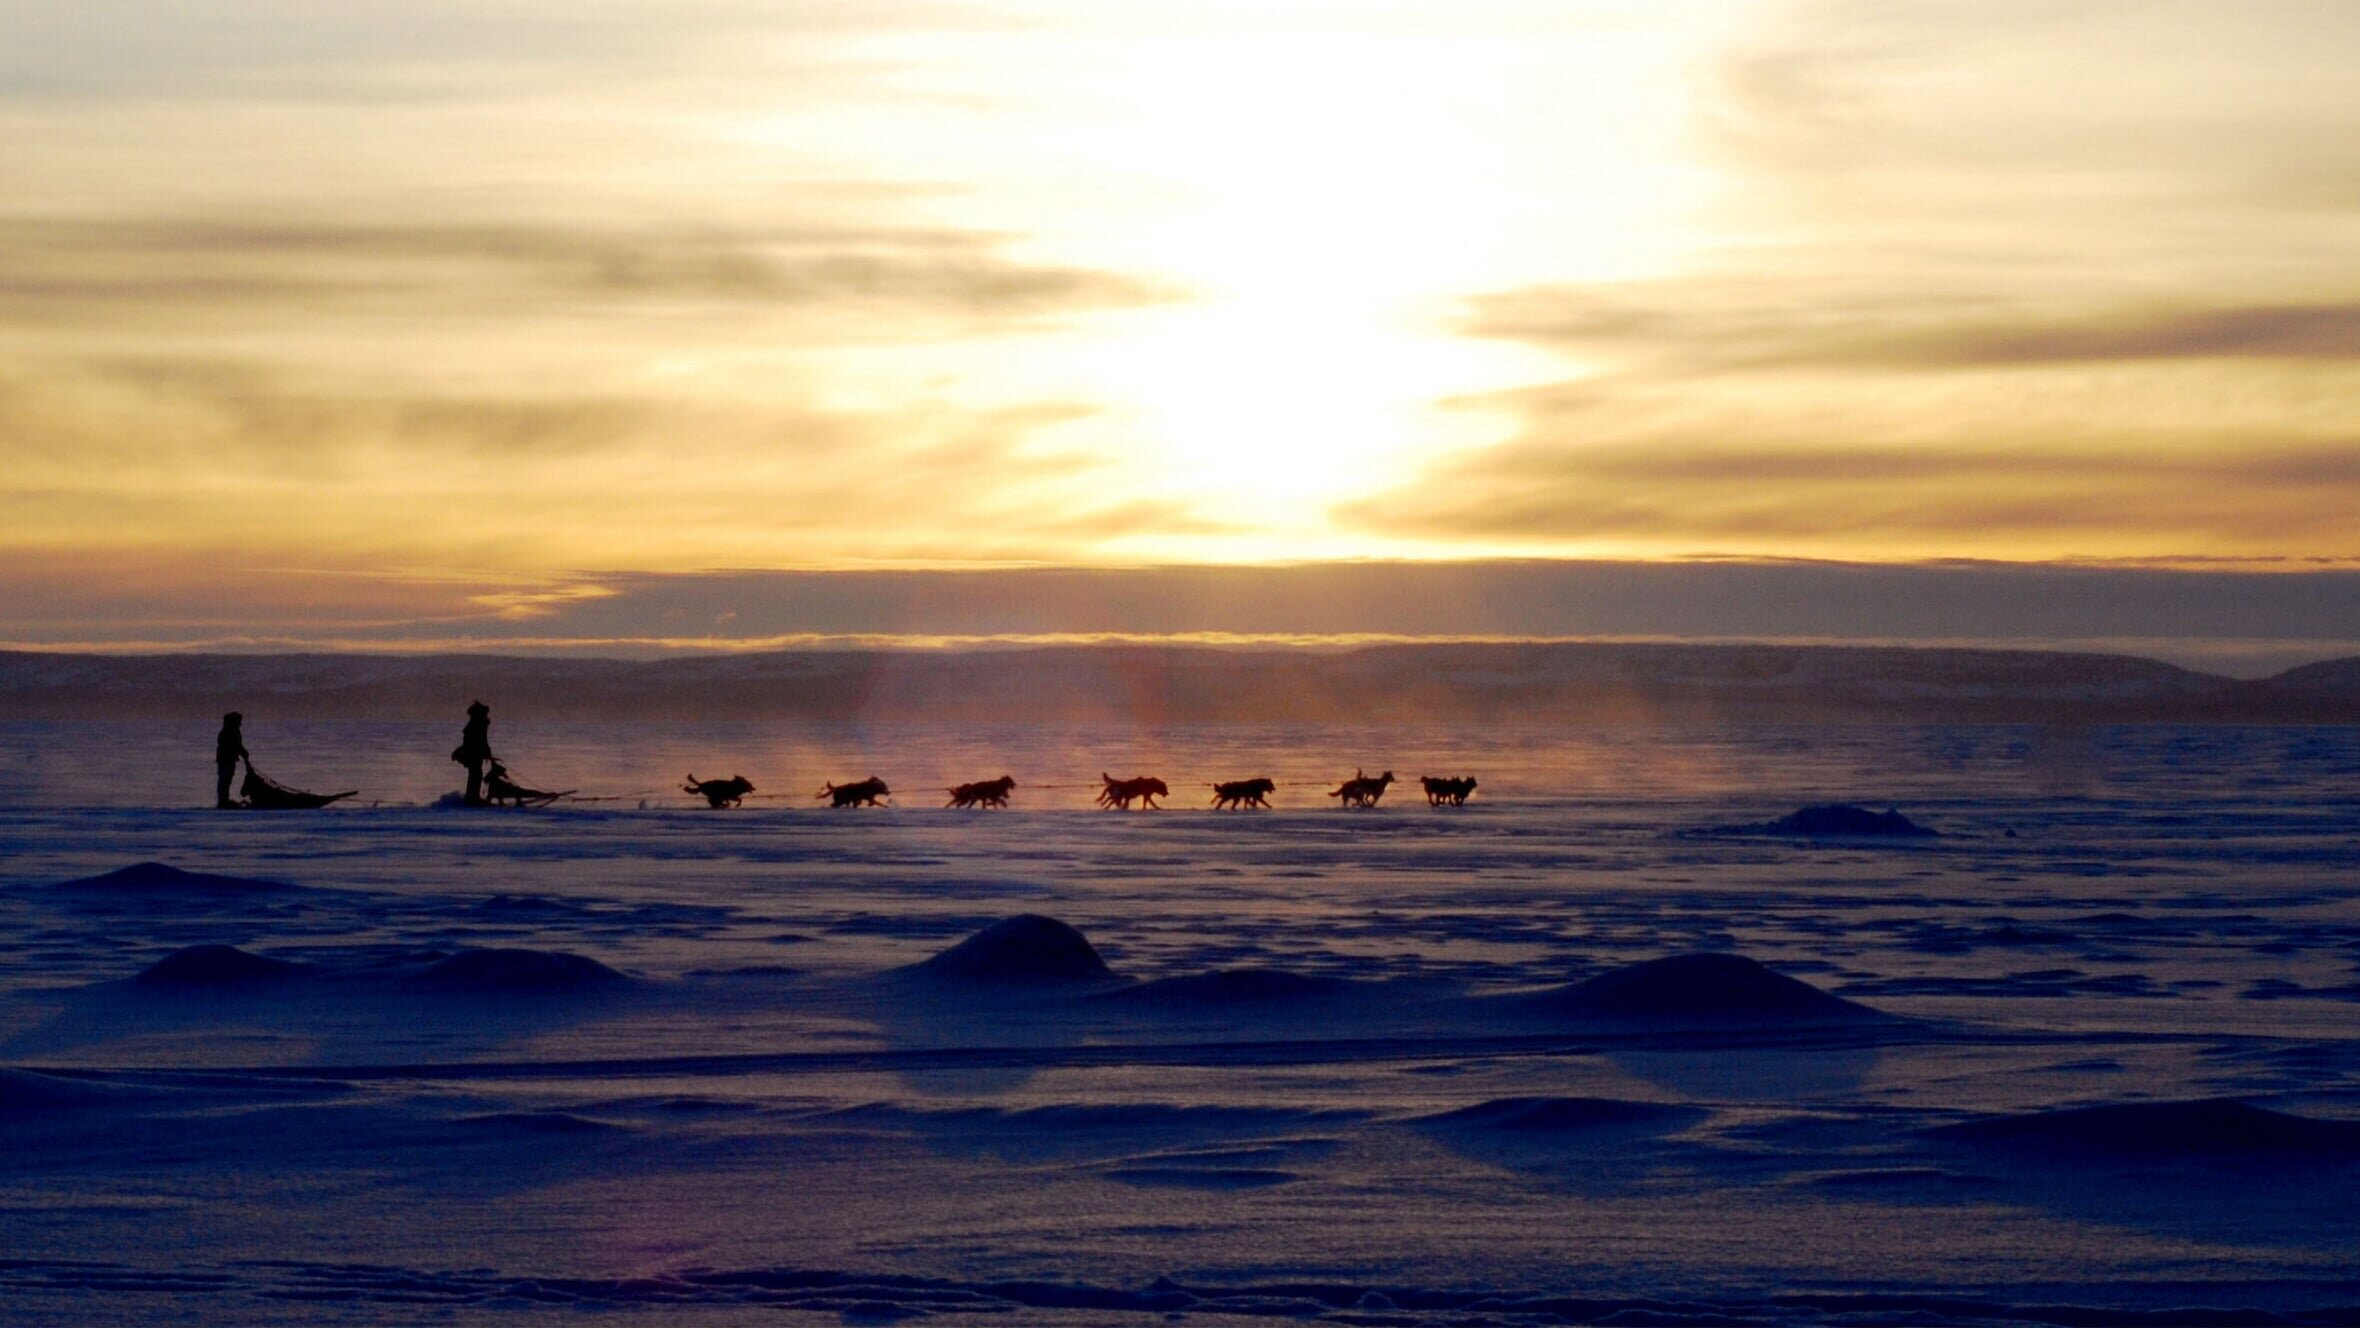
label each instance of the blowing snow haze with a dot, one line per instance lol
(1159, 684)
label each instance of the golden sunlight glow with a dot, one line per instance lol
(542, 294)
(1323, 195)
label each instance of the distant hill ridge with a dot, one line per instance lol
(1564, 682)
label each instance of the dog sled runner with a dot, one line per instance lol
(269, 794)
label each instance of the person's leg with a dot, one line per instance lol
(222, 773)
(474, 783)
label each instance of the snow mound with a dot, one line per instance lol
(1843, 819)
(2215, 1129)
(1553, 1114)
(1701, 990)
(1232, 986)
(159, 878)
(1027, 949)
(517, 972)
(216, 968)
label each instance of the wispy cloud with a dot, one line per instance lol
(123, 452)
(2293, 331)
(1707, 326)
(1592, 469)
(102, 268)
(1983, 117)
(287, 50)
(2000, 278)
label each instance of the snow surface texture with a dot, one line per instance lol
(1572, 1051)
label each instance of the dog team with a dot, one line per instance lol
(1360, 792)
(489, 784)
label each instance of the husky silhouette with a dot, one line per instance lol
(1448, 790)
(1121, 793)
(863, 793)
(1244, 793)
(982, 793)
(1362, 790)
(720, 792)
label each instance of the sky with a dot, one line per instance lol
(372, 326)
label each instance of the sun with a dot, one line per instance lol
(1327, 203)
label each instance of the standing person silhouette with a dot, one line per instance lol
(475, 748)
(228, 749)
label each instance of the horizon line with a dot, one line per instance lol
(2210, 655)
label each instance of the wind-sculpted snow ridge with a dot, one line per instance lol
(1707, 990)
(1180, 1176)
(1564, 1114)
(516, 973)
(2217, 1130)
(404, 1294)
(159, 878)
(2018, 984)
(217, 968)
(1025, 950)
(1130, 1119)
(1232, 987)
(538, 1123)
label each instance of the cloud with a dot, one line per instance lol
(1980, 116)
(1998, 278)
(1592, 468)
(221, 591)
(289, 463)
(2244, 618)
(1707, 325)
(287, 49)
(111, 269)
(89, 419)
(2320, 331)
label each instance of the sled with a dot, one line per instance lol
(269, 794)
(499, 789)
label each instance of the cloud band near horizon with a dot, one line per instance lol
(2224, 619)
